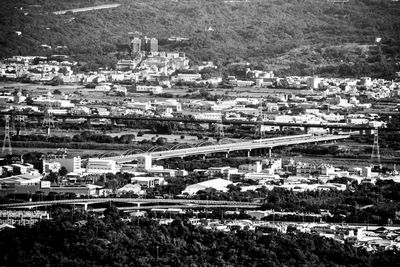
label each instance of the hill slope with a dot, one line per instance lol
(258, 31)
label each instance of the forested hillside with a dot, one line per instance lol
(303, 35)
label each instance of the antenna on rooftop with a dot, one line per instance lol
(375, 147)
(7, 139)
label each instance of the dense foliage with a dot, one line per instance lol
(303, 35)
(142, 242)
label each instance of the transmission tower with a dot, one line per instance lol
(19, 122)
(259, 131)
(48, 121)
(7, 139)
(375, 147)
(219, 130)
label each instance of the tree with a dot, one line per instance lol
(52, 177)
(161, 141)
(63, 171)
(57, 92)
(63, 70)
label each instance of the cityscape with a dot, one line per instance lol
(164, 158)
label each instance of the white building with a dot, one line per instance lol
(186, 77)
(149, 89)
(22, 179)
(148, 182)
(103, 88)
(313, 82)
(71, 164)
(101, 166)
(208, 116)
(253, 167)
(144, 163)
(218, 184)
(139, 105)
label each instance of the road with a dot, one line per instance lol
(84, 9)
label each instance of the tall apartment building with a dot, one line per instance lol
(144, 44)
(153, 45)
(136, 44)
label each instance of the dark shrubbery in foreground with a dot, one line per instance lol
(113, 242)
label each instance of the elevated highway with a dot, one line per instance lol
(248, 146)
(138, 203)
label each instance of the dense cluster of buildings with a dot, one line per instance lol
(330, 109)
(81, 177)
(21, 217)
(292, 175)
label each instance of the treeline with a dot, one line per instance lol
(386, 139)
(193, 164)
(85, 136)
(382, 200)
(223, 32)
(113, 242)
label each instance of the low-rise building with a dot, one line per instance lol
(101, 166)
(148, 182)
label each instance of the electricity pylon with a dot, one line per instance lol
(375, 154)
(259, 131)
(7, 139)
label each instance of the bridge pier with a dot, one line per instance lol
(226, 155)
(248, 153)
(306, 129)
(270, 152)
(330, 130)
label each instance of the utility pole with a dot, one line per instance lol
(7, 139)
